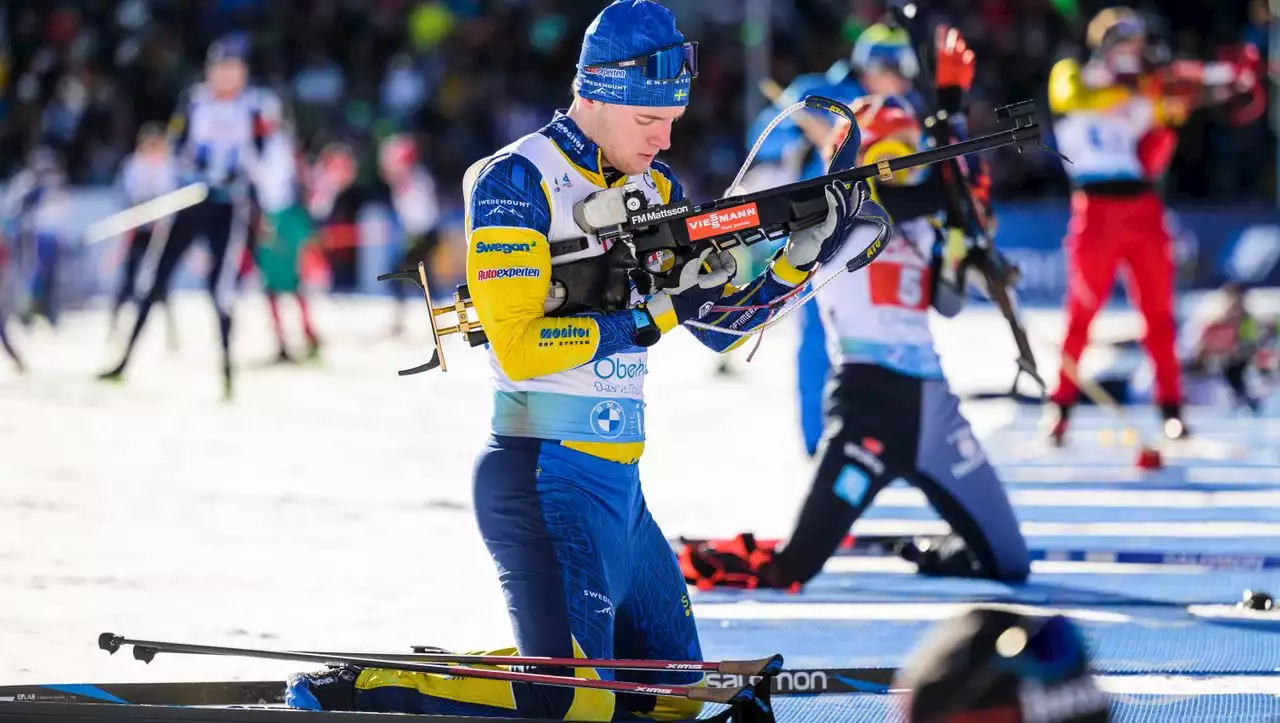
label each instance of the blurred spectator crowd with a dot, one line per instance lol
(467, 76)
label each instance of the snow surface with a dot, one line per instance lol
(328, 507)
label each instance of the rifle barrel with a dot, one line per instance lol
(1012, 136)
(954, 150)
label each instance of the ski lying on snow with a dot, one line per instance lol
(271, 692)
(266, 692)
(809, 681)
(102, 712)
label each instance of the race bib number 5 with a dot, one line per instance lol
(900, 286)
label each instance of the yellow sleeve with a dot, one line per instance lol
(509, 274)
(1069, 94)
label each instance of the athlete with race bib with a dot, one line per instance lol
(1115, 124)
(890, 414)
(880, 63)
(219, 132)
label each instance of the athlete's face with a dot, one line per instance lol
(226, 77)
(1125, 56)
(630, 136)
(880, 81)
(152, 147)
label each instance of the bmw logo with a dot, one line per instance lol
(608, 419)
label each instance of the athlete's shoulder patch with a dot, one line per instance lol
(510, 192)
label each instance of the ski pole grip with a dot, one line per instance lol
(724, 696)
(765, 666)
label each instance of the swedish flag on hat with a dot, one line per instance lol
(632, 54)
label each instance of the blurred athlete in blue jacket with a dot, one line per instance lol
(882, 63)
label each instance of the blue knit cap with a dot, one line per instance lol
(233, 46)
(625, 30)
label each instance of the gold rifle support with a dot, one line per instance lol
(466, 326)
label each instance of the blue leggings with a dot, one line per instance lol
(813, 369)
(586, 573)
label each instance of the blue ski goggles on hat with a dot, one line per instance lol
(665, 64)
(1124, 29)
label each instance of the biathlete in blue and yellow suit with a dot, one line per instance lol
(882, 63)
(585, 569)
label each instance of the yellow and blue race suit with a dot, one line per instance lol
(585, 569)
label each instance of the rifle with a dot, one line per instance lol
(646, 245)
(996, 276)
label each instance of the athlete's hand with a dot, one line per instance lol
(700, 284)
(818, 244)
(955, 59)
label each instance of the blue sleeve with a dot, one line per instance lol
(786, 134)
(617, 332)
(509, 193)
(846, 91)
(764, 289)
